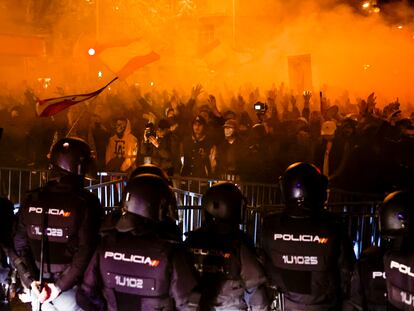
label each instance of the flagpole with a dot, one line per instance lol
(77, 120)
(75, 123)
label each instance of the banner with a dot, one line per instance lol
(126, 56)
(300, 73)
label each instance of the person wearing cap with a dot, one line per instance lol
(229, 152)
(136, 267)
(198, 151)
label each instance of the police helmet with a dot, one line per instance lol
(157, 171)
(224, 202)
(74, 156)
(150, 169)
(397, 214)
(147, 196)
(304, 189)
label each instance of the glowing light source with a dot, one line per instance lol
(366, 5)
(400, 26)
(367, 66)
(376, 10)
(91, 51)
(152, 83)
(100, 74)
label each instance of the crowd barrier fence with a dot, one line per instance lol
(357, 210)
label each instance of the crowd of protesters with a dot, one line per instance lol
(360, 147)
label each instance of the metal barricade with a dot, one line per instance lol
(256, 193)
(361, 221)
(103, 177)
(109, 193)
(189, 210)
(339, 195)
(14, 182)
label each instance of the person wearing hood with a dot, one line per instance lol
(122, 148)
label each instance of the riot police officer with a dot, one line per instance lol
(397, 222)
(308, 255)
(370, 283)
(58, 227)
(135, 267)
(231, 277)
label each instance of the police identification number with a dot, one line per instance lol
(50, 232)
(300, 260)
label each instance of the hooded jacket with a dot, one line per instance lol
(121, 152)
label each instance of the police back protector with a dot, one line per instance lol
(59, 213)
(136, 272)
(399, 269)
(304, 254)
(216, 258)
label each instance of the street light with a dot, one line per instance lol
(91, 51)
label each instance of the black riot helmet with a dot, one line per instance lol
(157, 171)
(150, 169)
(147, 196)
(397, 215)
(304, 189)
(73, 155)
(223, 203)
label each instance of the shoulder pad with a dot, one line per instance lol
(34, 194)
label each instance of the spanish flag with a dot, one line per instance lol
(51, 106)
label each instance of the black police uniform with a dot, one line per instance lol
(307, 252)
(9, 259)
(138, 270)
(399, 269)
(70, 216)
(372, 279)
(396, 224)
(135, 266)
(311, 261)
(231, 278)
